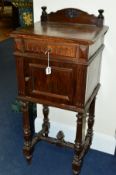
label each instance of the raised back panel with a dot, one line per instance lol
(72, 15)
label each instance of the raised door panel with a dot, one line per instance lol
(55, 87)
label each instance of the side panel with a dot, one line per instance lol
(93, 75)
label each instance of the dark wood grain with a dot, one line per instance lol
(75, 41)
(71, 15)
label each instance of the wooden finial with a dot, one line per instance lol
(44, 14)
(100, 18)
(101, 11)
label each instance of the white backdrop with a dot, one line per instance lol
(105, 123)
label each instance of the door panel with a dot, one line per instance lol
(55, 86)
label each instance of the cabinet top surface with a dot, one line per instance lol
(82, 33)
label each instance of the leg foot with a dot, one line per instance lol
(76, 165)
(28, 154)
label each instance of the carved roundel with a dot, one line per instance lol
(71, 13)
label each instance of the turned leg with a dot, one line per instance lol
(32, 117)
(91, 117)
(27, 149)
(80, 134)
(46, 124)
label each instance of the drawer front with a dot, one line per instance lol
(55, 87)
(57, 49)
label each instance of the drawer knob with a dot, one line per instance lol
(27, 79)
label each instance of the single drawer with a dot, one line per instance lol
(57, 49)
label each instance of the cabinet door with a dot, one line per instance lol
(55, 87)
